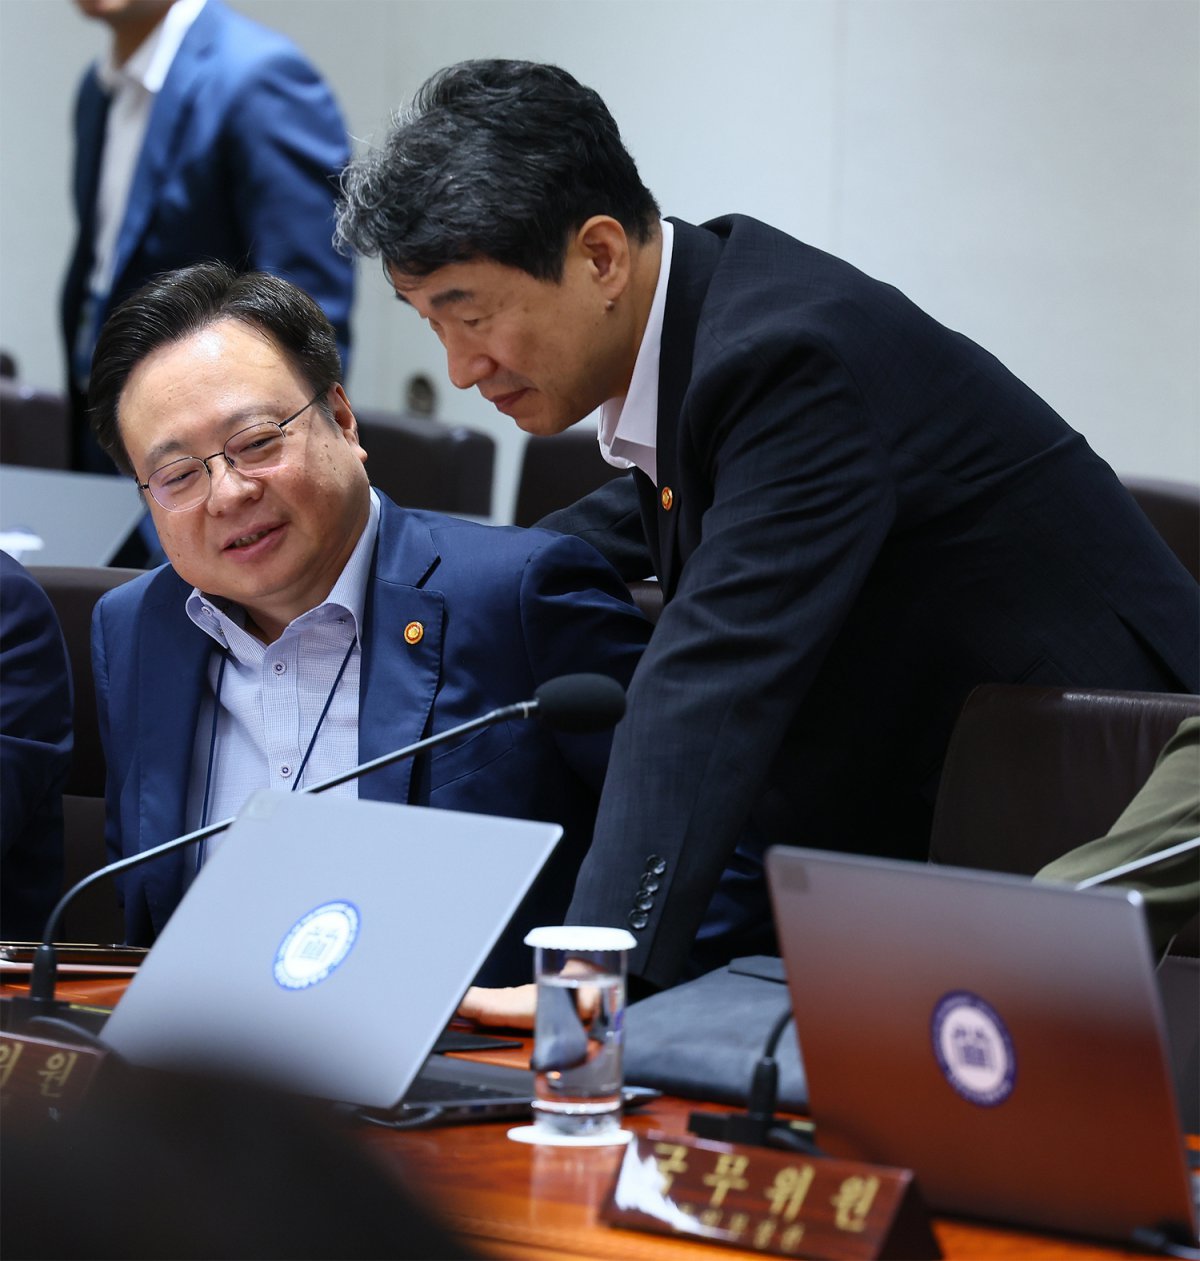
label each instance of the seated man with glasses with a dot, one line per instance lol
(304, 622)
(185, 483)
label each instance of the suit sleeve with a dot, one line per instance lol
(578, 618)
(35, 706)
(801, 501)
(611, 521)
(1165, 812)
(288, 149)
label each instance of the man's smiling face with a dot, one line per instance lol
(275, 544)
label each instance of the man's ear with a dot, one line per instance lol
(603, 247)
(345, 420)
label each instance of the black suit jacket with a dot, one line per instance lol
(868, 515)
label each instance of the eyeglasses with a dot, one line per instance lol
(185, 483)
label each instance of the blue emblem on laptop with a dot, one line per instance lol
(973, 1048)
(316, 944)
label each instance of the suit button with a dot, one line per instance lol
(638, 919)
(648, 885)
(655, 866)
(644, 903)
(667, 497)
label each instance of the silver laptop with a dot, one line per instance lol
(1003, 1039)
(327, 942)
(49, 517)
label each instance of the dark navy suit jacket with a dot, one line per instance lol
(868, 516)
(35, 752)
(503, 610)
(240, 164)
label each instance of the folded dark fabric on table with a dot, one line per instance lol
(702, 1039)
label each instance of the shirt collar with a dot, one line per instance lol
(628, 430)
(152, 58)
(215, 616)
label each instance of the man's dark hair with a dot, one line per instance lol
(493, 159)
(181, 303)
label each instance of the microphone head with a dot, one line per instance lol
(580, 702)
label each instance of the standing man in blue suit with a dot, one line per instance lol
(855, 513)
(305, 623)
(201, 136)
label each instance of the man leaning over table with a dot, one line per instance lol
(306, 623)
(856, 514)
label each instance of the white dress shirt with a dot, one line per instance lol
(132, 87)
(628, 429)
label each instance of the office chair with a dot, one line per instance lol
(1032, 772)
(1174, 511)
(74, 591)
(647, 595)
(558, 470)
(422, 463)
(35, 427)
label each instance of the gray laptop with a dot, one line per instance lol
(50, 517)
(327, 942)
(1002, 1039)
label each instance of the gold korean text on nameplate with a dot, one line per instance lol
(784, 1204)
(39, 1070)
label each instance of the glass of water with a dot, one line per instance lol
(578, 1030)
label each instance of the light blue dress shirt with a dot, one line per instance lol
(272, 695)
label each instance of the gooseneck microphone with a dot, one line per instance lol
(572, 702)
(758, 1126)
(580, 702)
(575, 703)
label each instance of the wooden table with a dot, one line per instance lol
(512, 1200)
(541, 1203)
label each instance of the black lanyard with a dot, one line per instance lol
(212, 739)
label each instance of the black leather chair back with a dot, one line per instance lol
(1174, 511)
(422, 463)
(74, 590)
(647, 595)
(95, 916)
(557, 471)
(35, 427)
(1032, 772)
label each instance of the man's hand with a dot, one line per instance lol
(511, 1008)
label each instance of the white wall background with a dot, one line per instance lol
(1028, 171)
